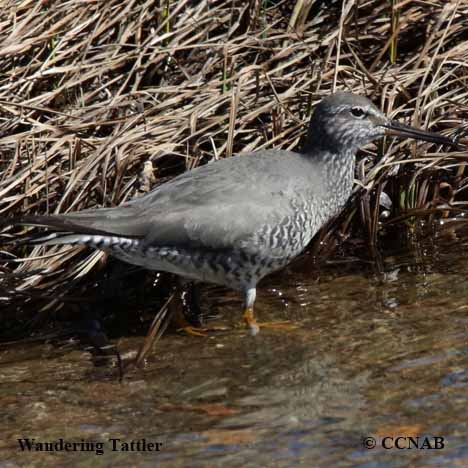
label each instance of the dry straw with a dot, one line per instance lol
(99, 100)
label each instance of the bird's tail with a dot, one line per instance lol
(64, 231)
(54, 238)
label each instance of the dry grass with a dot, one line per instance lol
(99, 100)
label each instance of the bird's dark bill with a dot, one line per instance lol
(405, 131)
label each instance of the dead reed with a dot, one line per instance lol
(100, 100)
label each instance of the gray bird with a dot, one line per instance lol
(236, 220)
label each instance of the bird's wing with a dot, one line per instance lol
(221, 205)
(237, 223)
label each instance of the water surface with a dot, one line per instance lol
(373, 355)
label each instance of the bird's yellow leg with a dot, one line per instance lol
(180, 323)
(179, 320)
(250, 321)
(190, 330)
(253, 325)
(280, 325)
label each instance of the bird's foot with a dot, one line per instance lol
(250, 321)
(181, 324)
(193, 331)
(285, 325)
(255, 327)
(202, 331)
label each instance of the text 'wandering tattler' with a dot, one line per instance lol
(236, 220)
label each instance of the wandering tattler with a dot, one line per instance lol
(236, 220)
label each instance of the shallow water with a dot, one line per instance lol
(373, 355)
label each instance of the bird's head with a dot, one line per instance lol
(343, 122)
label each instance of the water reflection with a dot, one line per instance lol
(380, 355)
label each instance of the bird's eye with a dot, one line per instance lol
(358, 112)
